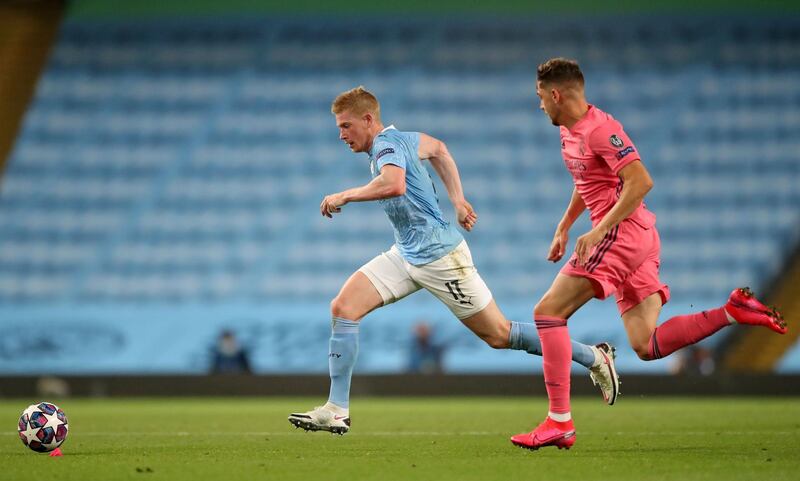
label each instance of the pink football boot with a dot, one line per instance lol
(549, 433)
(746, 309)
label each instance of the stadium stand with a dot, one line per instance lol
(173, 163)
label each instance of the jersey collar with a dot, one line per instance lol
(391, 127)
(589, 113)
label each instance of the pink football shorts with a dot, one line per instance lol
(624, 263)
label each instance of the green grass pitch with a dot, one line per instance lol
(412, 439)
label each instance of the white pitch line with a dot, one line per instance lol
(278, 433)
(425, 433)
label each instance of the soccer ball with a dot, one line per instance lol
(43, 427)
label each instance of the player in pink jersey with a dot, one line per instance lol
(620, 255)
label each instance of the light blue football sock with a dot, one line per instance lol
(341, 359)
(524, 337)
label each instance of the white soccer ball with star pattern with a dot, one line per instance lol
(43, 427)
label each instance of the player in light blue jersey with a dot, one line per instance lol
(429, 252)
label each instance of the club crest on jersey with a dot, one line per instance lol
(616, 141)
(383, 152)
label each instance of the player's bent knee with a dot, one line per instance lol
(643, 351)
(343, 309)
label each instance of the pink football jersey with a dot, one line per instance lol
(594, 151)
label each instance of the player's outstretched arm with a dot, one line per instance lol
(390, 183)
(636, 184)
(574, 210)
(437, 154)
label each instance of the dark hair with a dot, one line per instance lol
(559, 70)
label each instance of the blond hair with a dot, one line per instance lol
(358, 101)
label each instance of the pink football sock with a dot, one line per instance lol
(681, 331)
(557, 360)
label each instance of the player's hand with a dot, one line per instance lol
(586, 243)
(466, 215)
(559, 246)
(332, 204)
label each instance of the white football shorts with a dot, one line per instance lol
(453, 279)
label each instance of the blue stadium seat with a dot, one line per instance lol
(185, 161)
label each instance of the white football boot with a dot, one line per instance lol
(329, 417)
(604, 373)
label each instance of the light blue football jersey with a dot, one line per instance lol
(420, 231)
